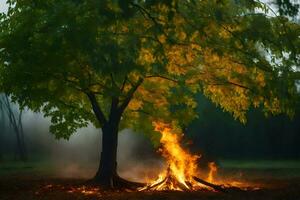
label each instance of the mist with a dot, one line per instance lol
(79, 156)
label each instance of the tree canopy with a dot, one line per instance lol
(146, 58)
(288, 8)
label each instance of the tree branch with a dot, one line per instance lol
(130, 94)
(141, 111)
(232, 83)
(124, 83)
(144, 11)
(96, 108)
(239, 85)
(162, 77)
(113, 80)
(146, 14)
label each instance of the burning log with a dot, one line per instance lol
(169, 182)
(211, 185)
(182, 167)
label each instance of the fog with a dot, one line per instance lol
(79, 156)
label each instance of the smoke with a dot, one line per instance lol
(79, 156)
(136, 157)
(76, 157)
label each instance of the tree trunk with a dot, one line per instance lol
(2, 129)
(107, 175)
(18, 129)
(107, 171)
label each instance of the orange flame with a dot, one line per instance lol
(182, 165)
(212, 171)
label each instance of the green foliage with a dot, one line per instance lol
(145, 60)
(286, 7)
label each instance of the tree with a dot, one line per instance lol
(15, 121)
(273, 137)
(124, 64)
(286, 7)
(2, 128)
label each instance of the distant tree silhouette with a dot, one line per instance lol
(15, 122)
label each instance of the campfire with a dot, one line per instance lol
(182, 171)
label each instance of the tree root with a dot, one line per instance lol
(116, 183)
(126, 184)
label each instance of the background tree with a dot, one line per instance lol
(125, 64)
(288, 8)
(2, 128)
(15, 122)
(273, 138)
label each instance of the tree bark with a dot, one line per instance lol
(107, 171)
(107, 175)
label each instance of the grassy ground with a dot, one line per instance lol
(36, 180)
(262, 169)
(261, 164)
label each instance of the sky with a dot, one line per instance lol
(3, 6)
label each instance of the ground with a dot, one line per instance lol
(280, 181)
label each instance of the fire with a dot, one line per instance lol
(212, 171)
(182, 165)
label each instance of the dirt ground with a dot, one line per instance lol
(31, 188)
(34, 182)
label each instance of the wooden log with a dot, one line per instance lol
(211, 185)
(155, 185)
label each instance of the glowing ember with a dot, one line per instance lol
(182, 166)
(84, 190)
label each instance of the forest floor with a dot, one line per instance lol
(278, 182)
